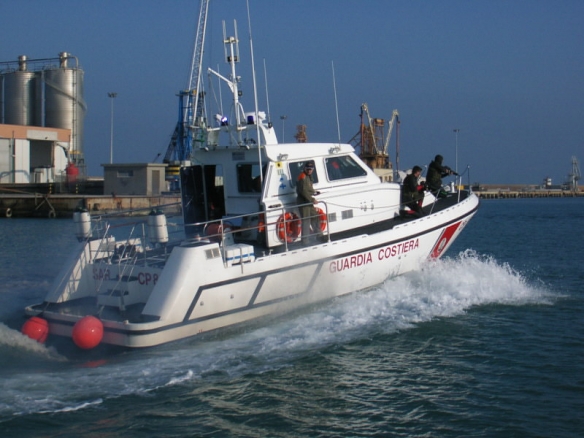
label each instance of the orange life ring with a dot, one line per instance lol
(322, 218)
(288, 227)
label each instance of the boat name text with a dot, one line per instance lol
(365, 258)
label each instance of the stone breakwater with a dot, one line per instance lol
(502, 194)
(523, 191)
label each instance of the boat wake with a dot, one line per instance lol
(444, 288)
(14, 344)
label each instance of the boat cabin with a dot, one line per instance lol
(256, 193)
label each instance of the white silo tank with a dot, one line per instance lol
(64, 101)
(19, 92)
(2, 98)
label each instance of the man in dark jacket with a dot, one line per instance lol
(436, 171)
(305, 198)
(412, 192)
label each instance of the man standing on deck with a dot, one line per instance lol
(305, 198)
(436, 171)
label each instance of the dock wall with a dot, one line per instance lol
(63, 206)
(508, 194)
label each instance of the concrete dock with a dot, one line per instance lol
(493, 191)
(64, 205)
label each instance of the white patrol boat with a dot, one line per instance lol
(239, 255)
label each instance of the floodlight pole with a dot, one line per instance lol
(456, 131)
(112, 96)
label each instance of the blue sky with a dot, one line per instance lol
(508, 74)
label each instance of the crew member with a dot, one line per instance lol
(436, 171)
(305, 198)
(412, 192)
(333, 168)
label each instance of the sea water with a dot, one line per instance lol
(488, 341)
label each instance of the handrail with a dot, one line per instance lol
(125, 212)
(224, 227)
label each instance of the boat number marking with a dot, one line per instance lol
(147, 278)
(144, 278)
(101, 274)
(365, 258)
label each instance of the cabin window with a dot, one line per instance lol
(297, 168)
(343, 167)
(248, 178)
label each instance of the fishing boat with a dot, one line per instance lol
(240, 254)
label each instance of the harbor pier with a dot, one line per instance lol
(523, 191)
(27, 205)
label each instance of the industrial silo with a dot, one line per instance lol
(2, 97)
(64, 101)
(39, 99)
(19, 93)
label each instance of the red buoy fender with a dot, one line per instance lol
(36, 328)
(87, 332)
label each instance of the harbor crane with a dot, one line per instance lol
(191, 120)
(574, 176)
(373, 142)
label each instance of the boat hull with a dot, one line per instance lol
(197, 293)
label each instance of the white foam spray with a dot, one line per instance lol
(443, 288)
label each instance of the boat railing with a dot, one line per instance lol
(118, 227)
(125, 243)
(454, 189)
(123, 255)
(171, 209)
(229, 230)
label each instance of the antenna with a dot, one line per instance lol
(336, 104)
(255, 97)
(220, 93)
(267, 97)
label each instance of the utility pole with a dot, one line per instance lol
(112, 96)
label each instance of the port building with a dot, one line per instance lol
(42, 110)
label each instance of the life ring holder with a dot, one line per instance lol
(288, 227)
(323, 220)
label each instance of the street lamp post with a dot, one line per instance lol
(112, 96)
(283, 122)
(456, 131)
